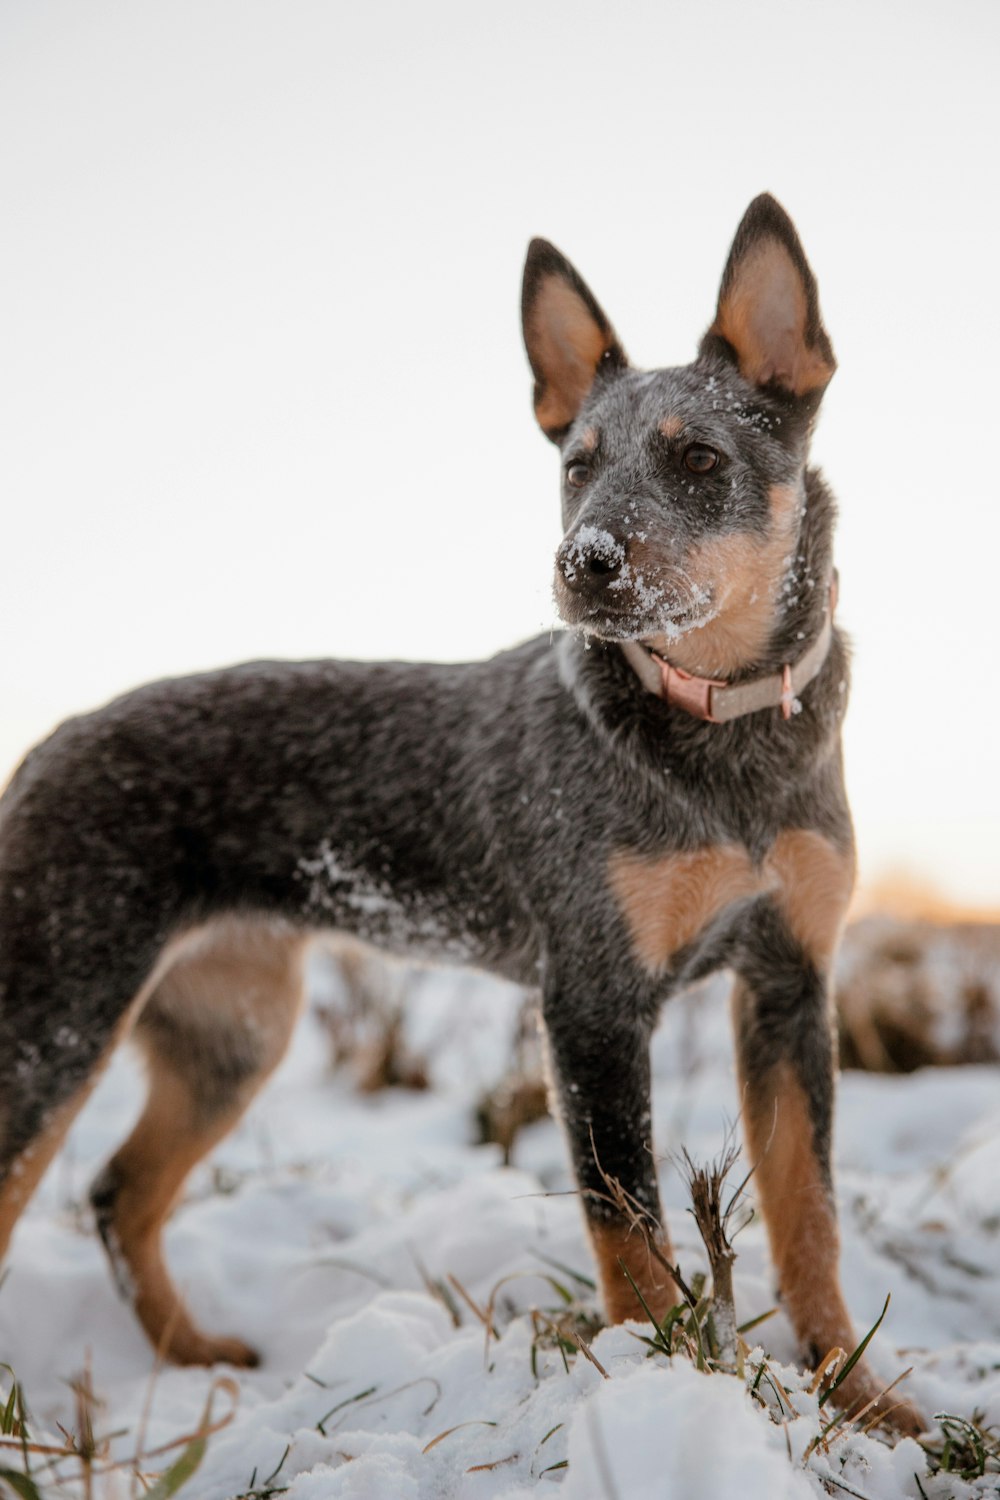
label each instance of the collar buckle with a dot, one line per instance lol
(684, 690)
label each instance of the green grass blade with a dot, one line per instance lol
(180, 1471)
(340, 1406)
(756, 1322)
(586, 1281)
(645, 1305)
(21, 1484)
(849, 1366)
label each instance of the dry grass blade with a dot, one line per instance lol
(206, 1427)
(829, 1365)
(437, 1289)
(85, 1445)
(575, 1338)
(883, 1416)
(473, 1306)
(497, 1463)
(873, 1401)
(182, 1469)
(541, 1324)
(457, 1428)
(159, 1361)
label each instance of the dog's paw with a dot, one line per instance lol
(232, 1352)
(203, 1349)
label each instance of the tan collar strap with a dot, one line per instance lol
(717, 701)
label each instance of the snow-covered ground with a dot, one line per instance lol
(316, 1229)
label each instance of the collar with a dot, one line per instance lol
(717, 701)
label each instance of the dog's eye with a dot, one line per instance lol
(577, 475)
(700, 458)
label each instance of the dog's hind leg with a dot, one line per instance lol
(213, 1030)
(59, 1024)
(23, 1170)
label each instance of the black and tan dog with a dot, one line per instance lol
(607, 814)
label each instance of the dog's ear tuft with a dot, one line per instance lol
(768, 309)
(566, 334)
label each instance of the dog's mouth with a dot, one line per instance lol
(630, 608)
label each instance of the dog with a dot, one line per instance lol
(606, 814)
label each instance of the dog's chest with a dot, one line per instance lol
(674, 900)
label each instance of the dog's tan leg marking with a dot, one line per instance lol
(802, 1230)
(667, 900)
(214, 1029)
(743, 574)
(816, 880)
(797, 1205)
(612, 1242)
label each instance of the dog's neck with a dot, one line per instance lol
(718, 701)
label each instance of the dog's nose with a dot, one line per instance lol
(590, 559)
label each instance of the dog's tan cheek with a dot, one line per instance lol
(744, 574)
(783, 500)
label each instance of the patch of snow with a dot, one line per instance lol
(315, 1223)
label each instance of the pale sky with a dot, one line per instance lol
(261, 378)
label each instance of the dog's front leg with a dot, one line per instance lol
(601, 1080)
(786, 1060)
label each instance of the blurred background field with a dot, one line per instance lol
(262, 374)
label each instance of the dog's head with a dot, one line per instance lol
(683, 489)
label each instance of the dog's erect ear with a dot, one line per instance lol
(566, 334)
(769, 308)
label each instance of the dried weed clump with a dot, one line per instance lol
(914, 994)
(364, 1015)
(521, 1094)
(77, 1463)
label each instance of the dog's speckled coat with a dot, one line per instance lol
(163, 859)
